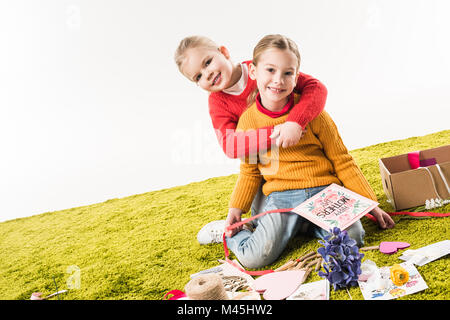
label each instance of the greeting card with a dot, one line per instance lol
(379, 285)
(335, 206)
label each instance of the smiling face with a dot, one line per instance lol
(211, 69)
(276, 76)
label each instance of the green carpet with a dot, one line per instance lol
(142, 246)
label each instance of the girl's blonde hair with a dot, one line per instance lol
(272, 41)
(192, 42)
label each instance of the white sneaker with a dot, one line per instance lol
(211, 232)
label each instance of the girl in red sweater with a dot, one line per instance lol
(210, 67)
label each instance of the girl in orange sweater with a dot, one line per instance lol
(292, 174)
(210, 66)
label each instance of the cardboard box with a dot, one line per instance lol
(406, 187)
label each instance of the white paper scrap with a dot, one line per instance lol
(426, 254)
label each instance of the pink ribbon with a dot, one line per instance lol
(263, 272)
(411, 214)
(176, 294)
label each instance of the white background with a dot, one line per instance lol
(92, 106)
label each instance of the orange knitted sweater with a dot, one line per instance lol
(320, 158)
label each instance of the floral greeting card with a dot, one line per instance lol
(384, 289)
(335, 206)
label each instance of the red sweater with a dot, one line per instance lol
(225, 110)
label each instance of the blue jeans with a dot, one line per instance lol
(274, 231)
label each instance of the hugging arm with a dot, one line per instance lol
(233, 143)
(311, 104)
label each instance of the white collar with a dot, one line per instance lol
(239, 86)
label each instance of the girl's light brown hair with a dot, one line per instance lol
(191, 42)
(271, 41)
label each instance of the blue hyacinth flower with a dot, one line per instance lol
(342, 259)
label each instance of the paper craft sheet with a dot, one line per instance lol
(335, 206)
(388, 290)
(317, 290)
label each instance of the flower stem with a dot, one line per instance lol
(348, 293)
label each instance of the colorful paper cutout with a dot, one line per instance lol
(379, 286)
(390, 247)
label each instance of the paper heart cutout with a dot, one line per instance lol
(279, 285)
(392, 247)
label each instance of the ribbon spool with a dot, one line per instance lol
(206, 287)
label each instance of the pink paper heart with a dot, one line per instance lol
(392, 247)
(279, 285)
